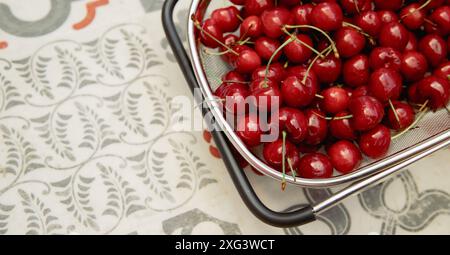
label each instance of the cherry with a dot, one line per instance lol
(234, 94)
(367, 112)
(413, 94)
(317, 127)
(349, 42)
(256, 7)
(266, 47)
(302, 14)
(233, 76)
(300, 72)
(434, 48)
(412, 16)
(344, 156)
(341, 128)
(393, 35)
(334, 100)
(356, 71)
(296, 51)
(226, 18)
(238, 2)
(441, 19)
(356, 6)
(327, 16)
(251, 27)
(375, 142)
(370, 22)
(229, 41)
(327, 69)
(414, 65)
(361, 91)
(248, 130)
(209, 32)
(247, 61)
(294, 122)
(412, 42)
(391, 5)
(298, 94)
(443, 71)
(385, 84)
(387, 16)
(275, 73)
(273, 154)
(266, 94)
(274, 19)
(386, 57)
(405, 114)
(315, 166)
(436, 90)
(432, 4)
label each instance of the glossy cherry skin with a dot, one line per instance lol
(344, 156)
(266, 47)
(370, 22)
(273, 155)
(413, 94)
(276, 73)
(367, 112)
(349, 42)
(296, 52)
(226, 18)
(434, 48)
(441, 19)
(412, 42)
(266, 95)
(405, 115)
(297, 94)
(234, 76)
(302, 14)
(317, 127)
(300, 72)
(232, 57)
(327, 69)
(273, 21)
(229, 40)
(412, 17)
(209, 30)
(257, 7)
(294, 122)
(327, 16)
(375, 142)
(414, 65)
(334, 100)
(393, 35)
(356, 6)
(315, 166)
(387, 16)
(361, 91)
(436, 90)
(386, 57)
(234, 94)
(249, 130)
(251, 27)
(391, 5)
(385, 84)
(341, 128)
(356, 71)
(443, 71)
(247, 61)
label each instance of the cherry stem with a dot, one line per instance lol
(283, 166)
(418, 9)
(239, 17)
(333, 45)
(232, 81)
(287, 42)
(360, 30)
(356, 6)
(292, 170)
(395, 112)
(319, 96)
(423, 111)
(326, 51)
(197, 24)
(220, 53)
(303, 43)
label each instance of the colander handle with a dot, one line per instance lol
(240, 180)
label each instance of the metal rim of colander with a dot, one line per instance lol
(253, 160)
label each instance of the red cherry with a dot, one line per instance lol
(443, 71)
(370, 22)
(385, 57)
(234, 94)
(226, 18)
(367, 112)
(276, 73)
(327, 16)
(247, 61)
(251, 27)
(394, 35)
(341, 128)
(287, 3)
(230, 41)
(273, 154)
(302, 14)
(405, 114)
(317, 127)
(434, 48)
(256, 7)
(436, 90)
(233, 76)
(356, 71)
(375, 142)
(209, 31)
(356, 6)
(274, 19)
(238, 2)
(344, 156)
(233, 57)
(385, 84)
(391, 5)
(327, 69)
(334, 100)
(387, 16)
(298, 94)
(414, 65)
(296, 52)
(349, 42)
(249, 130)
(315, 166)
(413, 94)
(266, 47)
(294, 122)
(433, 4)
(441, 19)
(412, 16)
(412, 42)
(266, 95)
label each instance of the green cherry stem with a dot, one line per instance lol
(326, 51)
(283, 165)
(292, 170)
(303, 43)
(423, 110)
(394, 111)
(287, 42)
(418, 9)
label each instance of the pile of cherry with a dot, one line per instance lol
(346, 74)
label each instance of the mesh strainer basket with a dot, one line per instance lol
(432, 134)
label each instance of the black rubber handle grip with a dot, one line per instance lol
(240, 180)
